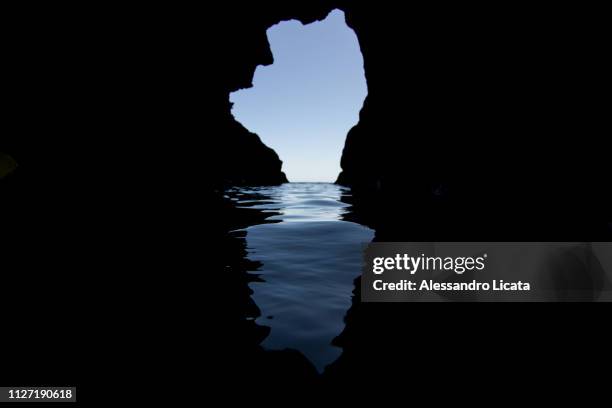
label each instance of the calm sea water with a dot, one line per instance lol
(310, 258)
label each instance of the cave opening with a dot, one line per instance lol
(306, 101)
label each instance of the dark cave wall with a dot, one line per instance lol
(477, 114)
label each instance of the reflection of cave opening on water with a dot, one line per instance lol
(304, 104)
(307, 258)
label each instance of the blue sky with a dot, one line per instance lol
(304, 104)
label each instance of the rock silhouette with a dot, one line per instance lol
(251, 162)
